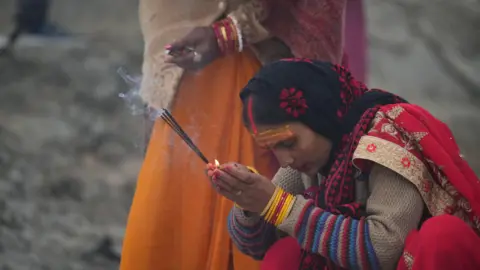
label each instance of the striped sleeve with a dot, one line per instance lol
(250, 234)
(394, 208)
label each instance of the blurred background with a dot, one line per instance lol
(70, 149)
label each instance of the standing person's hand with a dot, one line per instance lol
(237, 183)
(199, 48)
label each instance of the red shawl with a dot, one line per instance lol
(409, 140)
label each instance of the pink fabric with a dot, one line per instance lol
(285, 254)
(322, 30)
(356, 40)
(311, 29)
(443, 243)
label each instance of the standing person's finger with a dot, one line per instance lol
(183, 61)
(179, 45)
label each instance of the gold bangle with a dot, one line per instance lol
(267, 207)
(225, 38)
(290, 207)
(283, 212)
(269, 213)
(224, 33)
(235, 34)
(252, 169)
(272, 208)
(281, 209)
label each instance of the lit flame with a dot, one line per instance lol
(217, 164)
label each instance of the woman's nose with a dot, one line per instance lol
(284, 158)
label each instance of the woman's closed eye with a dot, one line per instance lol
(286, 144)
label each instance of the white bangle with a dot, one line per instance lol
(239, 32)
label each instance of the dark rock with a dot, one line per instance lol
(103, 249)
(66, 187)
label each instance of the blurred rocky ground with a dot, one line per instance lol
(429, 52)
(70, 150)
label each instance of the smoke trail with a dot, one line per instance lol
(132, 97)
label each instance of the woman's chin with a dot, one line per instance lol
(310, 171)
(311, 174)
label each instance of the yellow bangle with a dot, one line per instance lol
(279, 208)
(252, 169)
(224, 33)
(269, 214)
(267, 207)
(273, 206)
(290, 207)
(283, 212)
(235, 34)
(237, 206)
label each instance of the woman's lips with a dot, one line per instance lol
(304, 168)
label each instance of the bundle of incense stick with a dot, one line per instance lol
(168, 118)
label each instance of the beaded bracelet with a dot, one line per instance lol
(228, 34)
(279, 207)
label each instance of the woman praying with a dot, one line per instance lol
(393, 190)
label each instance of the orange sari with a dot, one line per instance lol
(177, 221)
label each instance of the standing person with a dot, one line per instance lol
(396, 193)
(176, 220)
(31, 17)
(356, 40)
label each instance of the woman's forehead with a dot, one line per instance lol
(295, 127)
(263, 130)
(268, 136)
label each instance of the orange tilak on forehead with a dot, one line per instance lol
(268, 138)
(271, 137)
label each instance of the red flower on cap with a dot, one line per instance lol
(293, 102)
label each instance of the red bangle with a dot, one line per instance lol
(230, 34)
(235, 34)
(219, 39)
(227, 36)
(278, 208)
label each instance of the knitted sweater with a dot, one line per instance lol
(393, 205)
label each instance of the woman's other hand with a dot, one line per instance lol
(236, 182)
(200, 48)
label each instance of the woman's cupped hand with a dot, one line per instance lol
(237, 183)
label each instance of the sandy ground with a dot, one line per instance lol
(70, 150)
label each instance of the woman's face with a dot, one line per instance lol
(296, 146)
